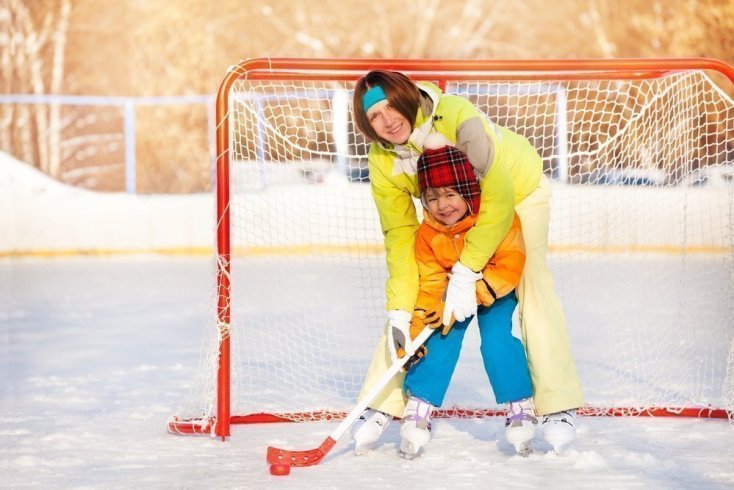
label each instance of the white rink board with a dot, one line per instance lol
(41, 215)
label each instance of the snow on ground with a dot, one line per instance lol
(97, 353)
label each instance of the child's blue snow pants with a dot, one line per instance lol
(502, 353)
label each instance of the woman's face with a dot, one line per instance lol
(388, 123)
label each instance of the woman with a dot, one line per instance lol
(397, 115)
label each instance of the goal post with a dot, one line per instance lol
(641, 158)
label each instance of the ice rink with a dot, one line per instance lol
(99, 352)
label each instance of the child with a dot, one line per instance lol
(450, 194)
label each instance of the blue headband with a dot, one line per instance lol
(372, 96)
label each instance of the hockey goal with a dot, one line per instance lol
(641, 157)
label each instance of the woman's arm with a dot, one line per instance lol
(494, 219)
(399, 223)
(483, 147)
(504, 269)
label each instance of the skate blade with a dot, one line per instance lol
(558, 444)
(362, 449)
(524, 449)
(560, 448)
(408, 450)
(408, 456)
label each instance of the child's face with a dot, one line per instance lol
(445, 204)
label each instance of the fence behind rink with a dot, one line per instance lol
(96, 133)
(88, 134)
(90, 137)
(108, 135)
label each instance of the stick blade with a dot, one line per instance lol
(308, 457)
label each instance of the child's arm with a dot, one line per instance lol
(432, 278)
(503, 272)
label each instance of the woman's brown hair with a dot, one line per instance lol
(401, 93)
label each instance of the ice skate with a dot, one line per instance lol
(371, 426)
(559, 429)
(415, 428)
(520, 426)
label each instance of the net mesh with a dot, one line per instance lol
(641, 242)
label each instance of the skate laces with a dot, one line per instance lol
(565, 416)
(521, 415)
(422, 414)
(381, 419)
(376, 417)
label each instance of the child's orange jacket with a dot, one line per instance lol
(438, 247)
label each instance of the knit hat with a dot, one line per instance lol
(442, 165)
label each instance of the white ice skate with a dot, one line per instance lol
(520, 425)
(370, 427)
(559, 429)
(415, 427)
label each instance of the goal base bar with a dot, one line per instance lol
(205, 426)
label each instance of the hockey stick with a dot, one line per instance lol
(311, 457)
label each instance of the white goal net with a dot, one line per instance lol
(641, 240)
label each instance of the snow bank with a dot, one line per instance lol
(39, 215)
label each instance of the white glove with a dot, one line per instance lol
(461, 294)
(398, 334)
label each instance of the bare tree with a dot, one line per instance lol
(34, 41)
(176, 47)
